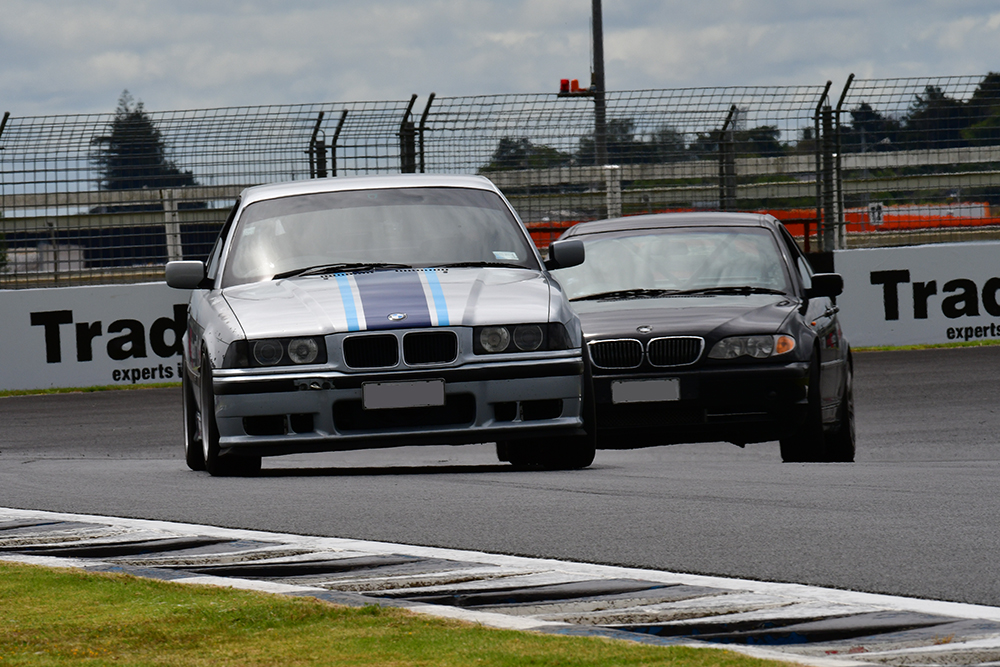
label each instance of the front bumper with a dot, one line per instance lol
(293, 411)
(731, 404)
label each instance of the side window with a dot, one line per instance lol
(801, 264)
(213, 259)
(805, 271)
(216, 254)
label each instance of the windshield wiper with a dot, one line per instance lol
(635, 293)
(342, 267)
(732, 289)
(459, 265)
(643, 293)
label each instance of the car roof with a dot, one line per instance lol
(343, 183)
(667, 220)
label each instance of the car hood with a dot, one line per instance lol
(708, 316)
(390, 299)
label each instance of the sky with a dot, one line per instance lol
(77, 56)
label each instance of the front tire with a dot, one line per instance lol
(194, 455)
(216, 463)
(814, 444)
(840, 444)
(807, 444)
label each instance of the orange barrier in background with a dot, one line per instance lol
(894, 218)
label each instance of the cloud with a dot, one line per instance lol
(63, 56)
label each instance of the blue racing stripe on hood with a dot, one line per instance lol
(440, 305)
(348, 298)
(386, 292)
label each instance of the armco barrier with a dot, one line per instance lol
(131, 334)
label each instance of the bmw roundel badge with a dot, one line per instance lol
(396, 317)
(644, 329)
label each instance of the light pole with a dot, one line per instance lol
(569, 88)
(597, 81)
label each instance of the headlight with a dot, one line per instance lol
(520, 338)
(758, 347)
(494, 339)
(267, 352)
(528, 337)
(303, 350)
(275, 352)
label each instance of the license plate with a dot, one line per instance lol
(645, 391)
(417, 394)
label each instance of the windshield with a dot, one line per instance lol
(360, 230)
(714, 260)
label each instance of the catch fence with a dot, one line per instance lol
(112, 197)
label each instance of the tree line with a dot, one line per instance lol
(934, 120)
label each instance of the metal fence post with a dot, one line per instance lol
(333, 144)
(54, 244)
(727, 163)
(841, 242)
(172, 225)
(597, 79)
(3, 233)
(408, 141)
(423, 124)
(317, 166)
(320, 158)
(817, 151)
(613, 189)
(829, 226)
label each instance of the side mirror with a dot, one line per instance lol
(564, 254)
(185, 274)
(826, 284)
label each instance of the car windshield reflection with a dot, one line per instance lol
(361, 230)
(678, 261)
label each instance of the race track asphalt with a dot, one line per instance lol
(916, 514)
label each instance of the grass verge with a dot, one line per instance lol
(928, 346)
(80, 390)
(51, 616)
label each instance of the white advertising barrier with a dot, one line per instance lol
(131, 334)
(939, 293)
(91, 336)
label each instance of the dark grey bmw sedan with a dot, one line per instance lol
(703, 327)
